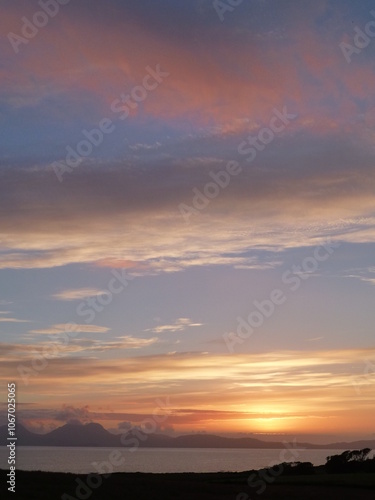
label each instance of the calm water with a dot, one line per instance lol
(79, 460)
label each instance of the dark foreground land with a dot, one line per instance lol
(216, 486)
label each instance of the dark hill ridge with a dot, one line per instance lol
(96, 436)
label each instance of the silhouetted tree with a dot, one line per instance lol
(349, 461)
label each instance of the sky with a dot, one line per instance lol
(187, 215)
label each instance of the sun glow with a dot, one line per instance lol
(269, 424)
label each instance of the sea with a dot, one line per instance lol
(157, 460)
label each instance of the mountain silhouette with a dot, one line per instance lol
(94, 435)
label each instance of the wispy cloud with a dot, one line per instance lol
(146, 147)
(180, 325)
(366, 275)
(117, 343)
(77, 293)
(62, 328)
(14, 320)
(215, 237)
(75, 346)
(369, 280)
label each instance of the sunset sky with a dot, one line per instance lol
(231, 161)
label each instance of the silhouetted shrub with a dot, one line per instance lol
(298, 468)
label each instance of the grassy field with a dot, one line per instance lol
(354, 480)
(220, 486)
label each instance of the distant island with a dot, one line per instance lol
(94, 435)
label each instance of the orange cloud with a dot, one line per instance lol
(247, 81)
(304, 391)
